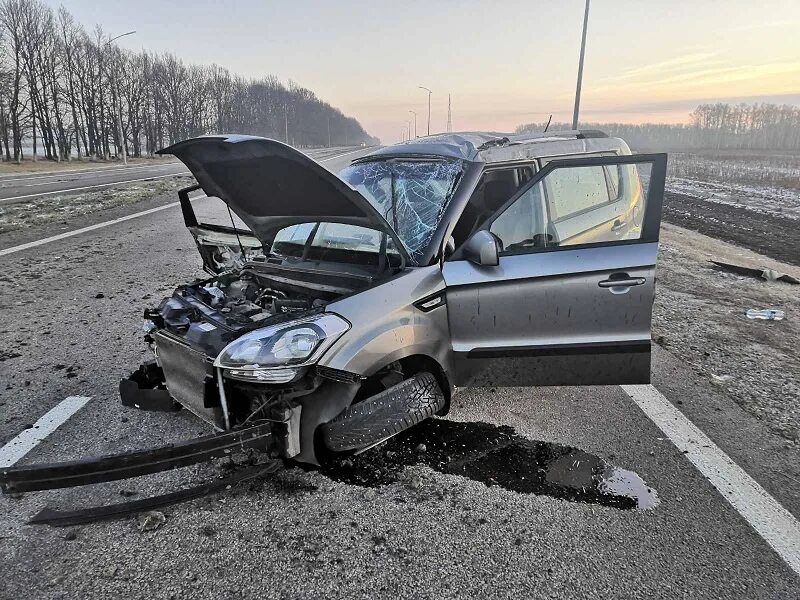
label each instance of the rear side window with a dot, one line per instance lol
(571, 191)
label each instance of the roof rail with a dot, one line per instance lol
(585, 134)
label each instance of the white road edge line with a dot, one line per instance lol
(76, 178)
(90, 187)
(74, 232)
(26, 441)
(776, 525)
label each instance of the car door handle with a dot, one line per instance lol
(615, 283)
(618, 225)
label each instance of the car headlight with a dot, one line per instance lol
(274, 354)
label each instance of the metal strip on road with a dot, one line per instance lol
(68, 234)
(26, 441)
(776, 525)
(89, 187)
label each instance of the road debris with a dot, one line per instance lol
(58, 518)
(763, 273)
(150, 521)
(766, 314)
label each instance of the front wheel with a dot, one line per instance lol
(385, 414)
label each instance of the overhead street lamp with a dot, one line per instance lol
(115, 85)
(422, 87)
(415, 122)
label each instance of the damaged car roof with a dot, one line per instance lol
(473, 145)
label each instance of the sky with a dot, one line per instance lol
(503, 63)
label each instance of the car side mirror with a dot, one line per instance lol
(481, 249)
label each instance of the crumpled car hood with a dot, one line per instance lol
(270, 185)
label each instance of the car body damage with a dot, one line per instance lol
(347, 309)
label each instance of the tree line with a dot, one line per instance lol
(67, 93)
(718, 126)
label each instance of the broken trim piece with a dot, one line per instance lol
(122, 466)
(58, 518)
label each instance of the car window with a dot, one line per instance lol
(580, 205)
(520, 225)
(333, 241)
(613, 180)
(573, 190)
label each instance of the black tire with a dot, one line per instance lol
(384, 414)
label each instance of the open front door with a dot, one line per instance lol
(571, 299)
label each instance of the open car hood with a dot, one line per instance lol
(270, 185)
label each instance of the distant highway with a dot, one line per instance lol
(21, 187)
(17, 187)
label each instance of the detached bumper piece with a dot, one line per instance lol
(58, 518)
(133, 464)
(145, 389)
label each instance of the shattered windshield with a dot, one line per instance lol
(412, 195)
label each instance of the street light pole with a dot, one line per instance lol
(115, 85)
(580, 69)
(422, 87)
(415, 122)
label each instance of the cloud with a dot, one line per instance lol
(684, 63)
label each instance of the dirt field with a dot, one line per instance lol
(699, 315)
(749, 199)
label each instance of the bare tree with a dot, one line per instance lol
(61, 88)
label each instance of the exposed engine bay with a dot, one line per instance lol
(209, 314)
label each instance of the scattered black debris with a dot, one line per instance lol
(99, 295)
(496, 455)
(762, 273)
(8, 354)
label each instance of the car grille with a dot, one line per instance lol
(188, 374)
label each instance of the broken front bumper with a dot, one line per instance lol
(132, 464)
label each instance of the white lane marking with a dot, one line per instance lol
(90, 187)
(68, 234)
(341, 155)
(76, 178)
(771, 521)
(72, 172)
(26, 441)
(75, 232)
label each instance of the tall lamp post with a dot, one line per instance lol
(415, 122)
(422, 87)
(119, 100)
(580, 69)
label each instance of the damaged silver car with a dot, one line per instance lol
(347, 309)
(353, 306)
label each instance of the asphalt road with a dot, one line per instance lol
(71, 315)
